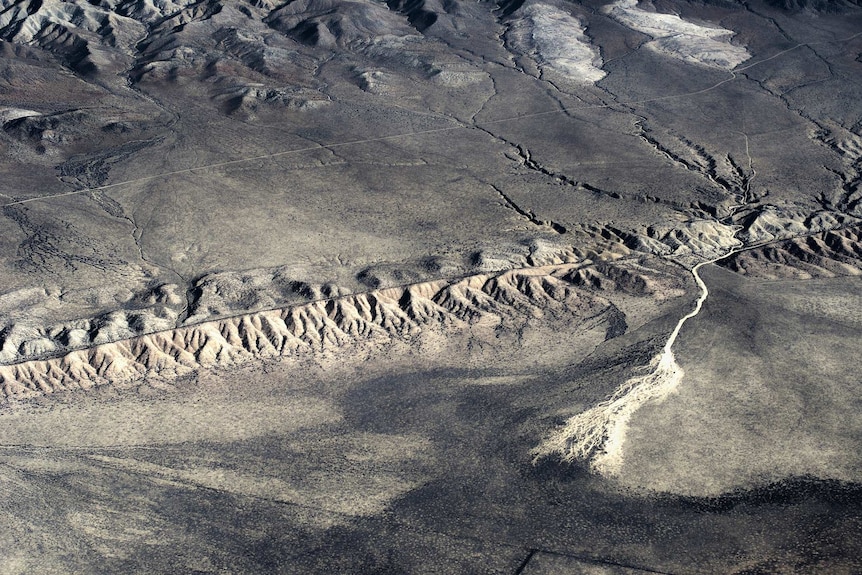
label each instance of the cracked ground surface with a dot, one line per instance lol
(355, 260)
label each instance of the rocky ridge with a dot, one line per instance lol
(827, 254)
(30, 332)
(821, 244)
(374, 317)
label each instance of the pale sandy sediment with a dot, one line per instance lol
(597, 435)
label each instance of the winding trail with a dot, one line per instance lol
(597, 435)
(704, 293)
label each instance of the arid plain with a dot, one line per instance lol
(353, 286)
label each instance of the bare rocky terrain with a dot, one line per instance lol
(421, 286)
